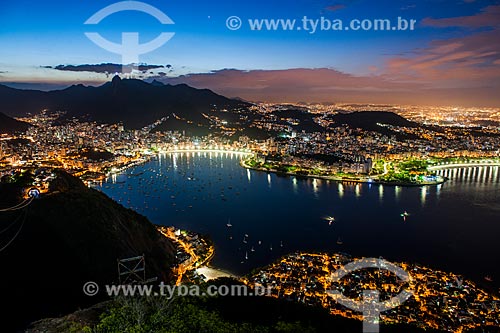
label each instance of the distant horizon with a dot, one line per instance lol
(46, 87)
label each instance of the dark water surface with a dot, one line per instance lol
(453, 227)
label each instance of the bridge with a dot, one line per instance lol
(461, 165)
(472, 171)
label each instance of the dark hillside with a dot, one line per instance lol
(71, 236)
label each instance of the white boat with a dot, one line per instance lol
(229, 225)
(330, 219)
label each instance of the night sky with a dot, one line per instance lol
(452, 57)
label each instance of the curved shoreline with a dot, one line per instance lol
(244, 165)
(340, 180)
(211, 272)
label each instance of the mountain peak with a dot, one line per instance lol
(133, 102)
(115, 83)
(116, 79)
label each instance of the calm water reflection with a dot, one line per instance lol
(455, 226)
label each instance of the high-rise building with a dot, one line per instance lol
(368, 165)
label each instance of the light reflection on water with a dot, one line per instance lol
(452, 226)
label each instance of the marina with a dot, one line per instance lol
(187, 190)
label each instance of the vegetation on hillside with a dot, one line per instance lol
(209, 315)
(69, 236)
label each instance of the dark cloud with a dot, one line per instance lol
(488, 17)
(408, 7)
(333, 8)
(324, 84)
(107, 68)
(321, 84)
(467, 61)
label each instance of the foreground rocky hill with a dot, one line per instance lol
(70, 236)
